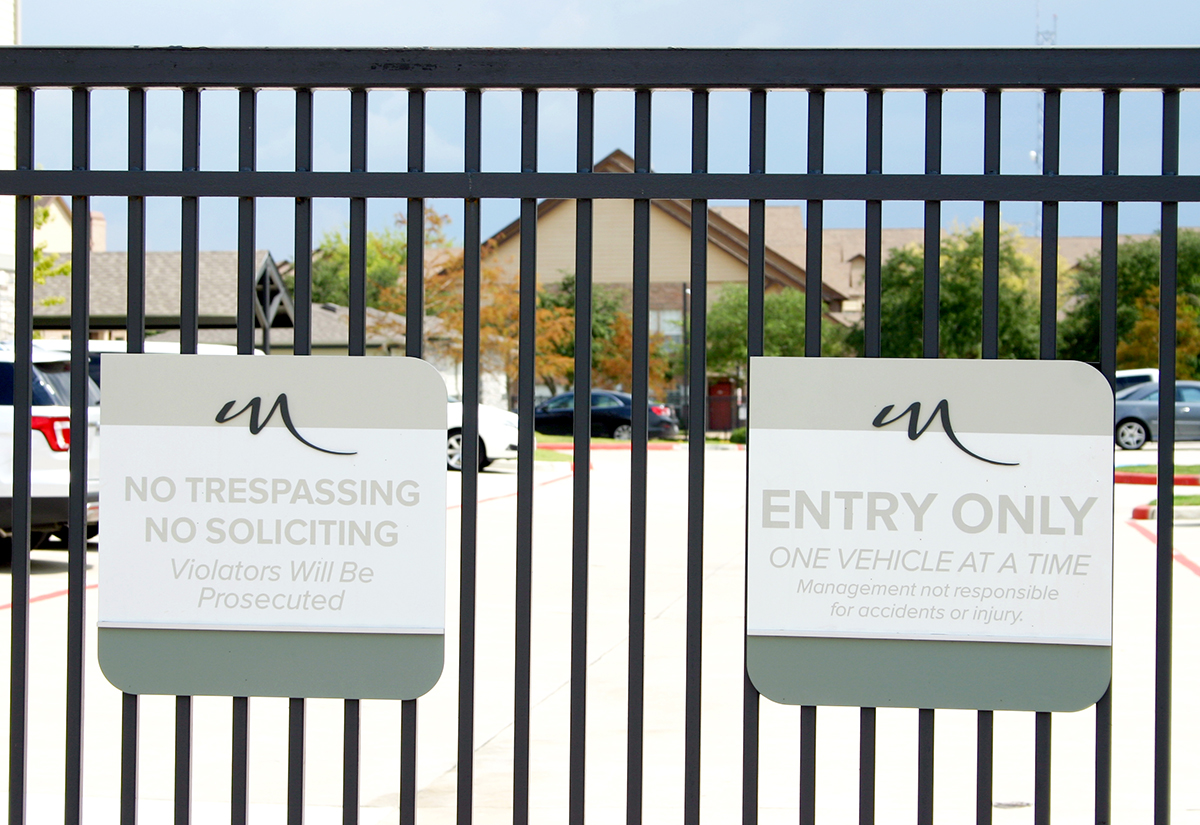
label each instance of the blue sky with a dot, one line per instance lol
(619, 23)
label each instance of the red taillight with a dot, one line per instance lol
(659, 409)
(56, 429)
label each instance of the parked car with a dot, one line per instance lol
(50, 448)
(1131, 378)
(98, 348)
(612, 416)
(1137, 414)
(497, 435)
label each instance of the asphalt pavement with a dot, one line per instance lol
(837, 728)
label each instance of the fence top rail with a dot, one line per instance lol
(842, 68)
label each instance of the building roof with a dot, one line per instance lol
(218, 281)
(781, 269)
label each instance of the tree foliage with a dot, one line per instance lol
(960, 304)
(46, 264)
(1139, 347)
(1138, 264)
(783, 328)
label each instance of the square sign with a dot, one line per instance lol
(930, 533)
(273, 526)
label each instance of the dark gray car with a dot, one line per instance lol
(1137, 414)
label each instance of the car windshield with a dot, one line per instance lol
(45, 394)
(58, 374)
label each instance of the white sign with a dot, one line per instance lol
(922, 499)
(280, 494)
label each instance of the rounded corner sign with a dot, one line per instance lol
(273, 526)
(930, 533)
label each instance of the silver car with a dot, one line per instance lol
(1137, 414)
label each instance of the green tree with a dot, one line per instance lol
(1138, 263)
(387, 256)
(783, 328)
(960, 308)
(46, 264)
(1139, 348)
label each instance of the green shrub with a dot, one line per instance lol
(738, 436)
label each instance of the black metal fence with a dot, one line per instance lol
(989, 71)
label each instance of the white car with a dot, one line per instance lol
(51, 442)
(96, 348)
(497, 435)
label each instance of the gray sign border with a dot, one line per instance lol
(907, 673)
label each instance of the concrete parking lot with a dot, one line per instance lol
(837, 765)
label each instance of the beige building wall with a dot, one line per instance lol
(612, 248)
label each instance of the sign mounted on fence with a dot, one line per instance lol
(273, 526)
(929, 533)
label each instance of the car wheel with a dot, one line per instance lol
(1131, 434)
(622, 432)
(454, 451)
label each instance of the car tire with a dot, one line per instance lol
(622, 432)
(454, 451)
(1132, 434)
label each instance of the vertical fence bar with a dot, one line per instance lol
(756, 267)
(470, 462)
(18, 697)
(189, 289)
(931, 309)
(808, 765)
(239, 801)
(247, 139)
(1168, 283)
(414, 347)
(77, 502)
(135, 312)
(183, 760)
(582, 478)
(814, 237)
(866, 766)
(414, 284)
(358, 226)
(990, 345)
(925, 728)
(357, 345)
(301, 345)
(813, 290)
(1108, 364)
(135, 336)
(350, 755)
(1043, 723)
(697, 379)
(295, 765)
(1108, 238)
(989, 348)
(1048, 350)
(1051, 109)
(525, 387)
(983, 768)
(872, 286)
(302, 295)
(639, 460)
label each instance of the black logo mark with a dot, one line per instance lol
(914, 413)
(255, 406)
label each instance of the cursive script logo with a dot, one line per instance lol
(256, 426)
(914, 414)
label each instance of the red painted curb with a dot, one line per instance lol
(1151, 478)
(1142, 511)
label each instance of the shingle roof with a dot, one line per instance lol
(108, 287)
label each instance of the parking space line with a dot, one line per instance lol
(1179, 557)
(45, 596)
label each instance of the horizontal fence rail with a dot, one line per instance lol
(643, 72)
